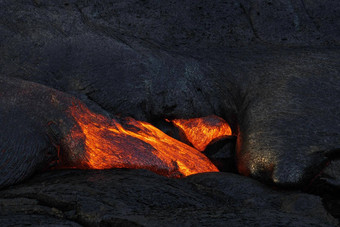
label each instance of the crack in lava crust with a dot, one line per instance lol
(98, 142)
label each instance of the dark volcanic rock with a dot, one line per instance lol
(332, 173)
(35, 122)
(26, 109)
(289, 117)
(327, 185)
(222, 154)
(183, 25)
(138, 198)
(159, 59)
(270, 68)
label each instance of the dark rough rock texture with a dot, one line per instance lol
(332, 173)
(155, 60)
(25, 111)
(290, 115)
(34, 121)
(141, 198)
(270, 68)
(328, 187)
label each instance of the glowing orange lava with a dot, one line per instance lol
(201, 131)
(99, 142)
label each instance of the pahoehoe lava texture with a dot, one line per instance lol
(289, 119)
(29, 116)
(271, 69)
(251, 63)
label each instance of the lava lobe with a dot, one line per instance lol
(98, 142)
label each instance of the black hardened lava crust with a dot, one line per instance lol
(269, 68)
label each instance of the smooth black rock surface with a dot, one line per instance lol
(26, 109)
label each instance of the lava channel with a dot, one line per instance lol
(99, 142)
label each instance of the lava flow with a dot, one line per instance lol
(202, 131)
(98, 142)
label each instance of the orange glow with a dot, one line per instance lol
(105, 143)
(201, 131)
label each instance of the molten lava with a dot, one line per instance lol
(201, 131)
(98, 142)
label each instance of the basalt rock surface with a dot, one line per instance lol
(34, 120)
(142, 198)
(270, 68)
(25, 112)
(153, 61)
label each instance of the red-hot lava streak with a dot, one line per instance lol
(106, 143)
(201, 131)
